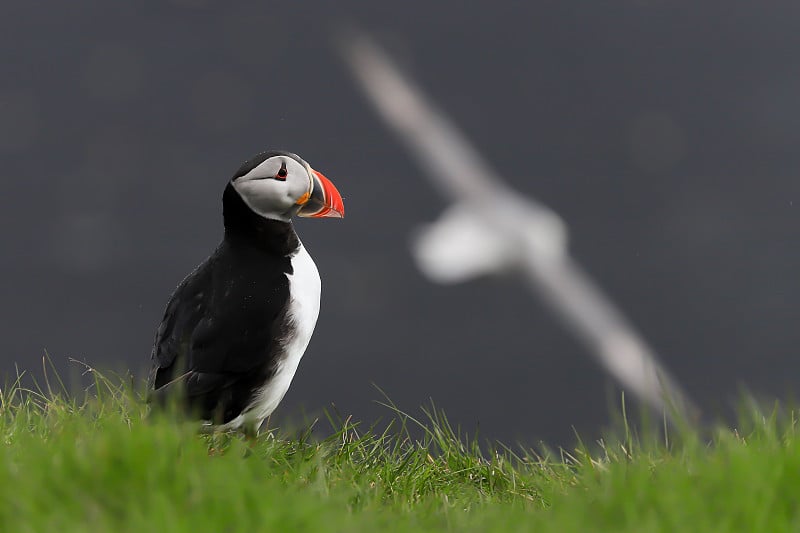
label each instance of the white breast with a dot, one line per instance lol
(304, 290)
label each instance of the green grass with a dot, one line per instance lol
(102, 464)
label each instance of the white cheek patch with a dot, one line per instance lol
(270, 197)
(264, 197)
(266, 169)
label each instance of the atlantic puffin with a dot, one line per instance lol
(235, 328)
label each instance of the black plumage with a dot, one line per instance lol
(220, 338)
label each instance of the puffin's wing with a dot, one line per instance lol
(244, 318)
(184, 310)
(220, 332)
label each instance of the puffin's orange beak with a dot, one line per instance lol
(324, 201)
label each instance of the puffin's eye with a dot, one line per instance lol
(281, 175)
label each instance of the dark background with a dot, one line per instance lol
(665, 133)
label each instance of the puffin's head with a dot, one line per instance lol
(278, 185)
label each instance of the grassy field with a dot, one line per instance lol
(101, 464)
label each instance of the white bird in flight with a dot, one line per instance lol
(490, 228)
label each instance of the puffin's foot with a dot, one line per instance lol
(251, 436)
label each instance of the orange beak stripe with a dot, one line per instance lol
(303, 199)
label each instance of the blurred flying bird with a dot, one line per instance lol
(235, 329)
(490, 228)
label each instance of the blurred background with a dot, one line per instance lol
(664, 132)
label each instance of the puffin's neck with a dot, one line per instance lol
(243, 227)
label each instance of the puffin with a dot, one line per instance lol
(236, 327)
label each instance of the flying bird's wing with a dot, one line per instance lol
(491, 228)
